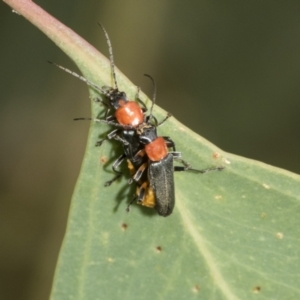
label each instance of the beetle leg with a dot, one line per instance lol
(187, 167)
(175, 154)
(165, 119)
(138, 174)
(109, 136)
(114, 167)
(130, 203)
(170, 143)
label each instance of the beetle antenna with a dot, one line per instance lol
(89, 83)
(153, 97)
(86, 119)
(111, 56)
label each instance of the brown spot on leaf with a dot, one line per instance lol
(196, 288)
(256, 289)
(158, 249)
(263, 215)
(124, 226)
(216, 155)
(103, 159)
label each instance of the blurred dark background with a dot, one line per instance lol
(228, 70)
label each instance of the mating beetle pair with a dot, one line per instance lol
(149, 159)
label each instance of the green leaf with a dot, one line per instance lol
(233, 234)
